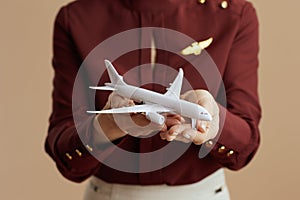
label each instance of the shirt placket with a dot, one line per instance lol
(147, 62)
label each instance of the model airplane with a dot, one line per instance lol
(154, 103)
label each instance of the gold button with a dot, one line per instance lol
(224, 4)
(209, 144)
(89, 148)
(69, 156)
(230, 153)
(78, 153)
(222, 149)
(201, 1)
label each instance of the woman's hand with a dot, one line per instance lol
(116, 126)
(205, 130)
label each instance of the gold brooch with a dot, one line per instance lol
(197, 47)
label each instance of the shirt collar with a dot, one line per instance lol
(154, 5)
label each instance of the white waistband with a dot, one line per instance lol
(209, 187)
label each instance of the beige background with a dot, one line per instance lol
(27, 173)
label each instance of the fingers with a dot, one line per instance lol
(178, 129)
(173, 119)
(135, 124)
(175, 116)
(164, 135)
(117, 101)
(175, 132)
(203, 126)
(185, 133)
(138, 125)
(194, 136)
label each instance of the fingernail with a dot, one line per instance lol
(162, 137)
(187, 136)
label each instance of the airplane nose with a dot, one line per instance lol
(204, 115)
(209, 117)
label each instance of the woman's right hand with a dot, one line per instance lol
(116, 126)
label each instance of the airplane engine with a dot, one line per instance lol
(155, 117)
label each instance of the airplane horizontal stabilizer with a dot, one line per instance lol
(103, 88)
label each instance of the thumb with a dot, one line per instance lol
(206, 100)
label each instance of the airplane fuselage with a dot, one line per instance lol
(182, 107)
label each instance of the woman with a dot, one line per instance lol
(78, 145)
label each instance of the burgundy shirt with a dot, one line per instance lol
(82, 25)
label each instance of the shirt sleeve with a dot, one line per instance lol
(239, 138)
(69, 145)
(63, 143)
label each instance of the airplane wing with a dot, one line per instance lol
(175, 88)
(154, 108)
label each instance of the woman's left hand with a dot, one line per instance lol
(205, 130)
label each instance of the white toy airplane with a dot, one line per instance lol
(154, 103)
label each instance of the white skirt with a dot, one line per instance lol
(212, 187)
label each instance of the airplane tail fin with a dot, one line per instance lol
(115, 78)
